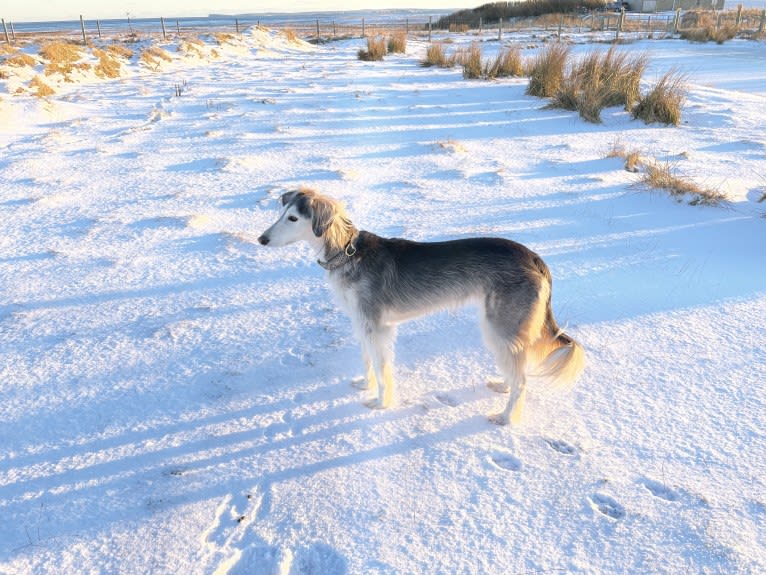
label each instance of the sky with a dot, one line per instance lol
(44, 10)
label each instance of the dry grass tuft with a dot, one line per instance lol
(291, 35)
(189, 48)
(547, 70)
(43, 90)
(470, 59)
(376, 49)
(21, 60)
(601, 80)
(120, 51)
(223, 37)
(661, 177)
(632, 157)
(397, 43)
(436, 56)
(61, 52)
(507, 63)
(108, 66)
(152, 56)
(663, 103)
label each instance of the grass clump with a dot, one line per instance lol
(376, 49)
(42, 90)
(470, 59)
(547, 71)
(291, 35)
(507, 63)
(397, 43)
(153, 55)
(21, 60)
(661, 177)
(108, 66)
(632, 157)
(120, 51)
(436, 55)
(223, 37)
(601, 80)
(663, 103)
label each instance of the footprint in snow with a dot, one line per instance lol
(607, 506)
(447, 400)
(561, 446)
(506, 461)
(659, 490)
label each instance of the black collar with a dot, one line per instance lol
(340, 259)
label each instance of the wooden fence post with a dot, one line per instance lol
(677, 21)
(236, 25)
(429, 28)
(162, 23)
(98, 27)
(561, 24)
(500, 30)
(178, 28)
(13, 32)
(363, 34)
(5, 29)
(739, 16)
(481, 24)
(317, 29)
(82, 27)
(763, 22)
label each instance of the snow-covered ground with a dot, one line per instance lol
(175, 398)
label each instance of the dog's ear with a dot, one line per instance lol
(289, 197)
(322, 214)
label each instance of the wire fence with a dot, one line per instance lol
(736, 22)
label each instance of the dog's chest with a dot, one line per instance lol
(344, 293)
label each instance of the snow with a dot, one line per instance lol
(177, 399)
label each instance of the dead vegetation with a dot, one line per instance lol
(41, 89)
(376, 49)
(436, 55)
(397, 43)
(632, 157)
(63, 58)
(660, 176)
(664, 101)
(108, 66)
(547, 71)
(21, 60)
(153, 57)
(223, 38)
(601, 80)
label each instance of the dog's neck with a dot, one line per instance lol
(338, 245)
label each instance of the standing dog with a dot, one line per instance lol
(381, 282)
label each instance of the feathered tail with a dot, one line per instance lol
(559, 358)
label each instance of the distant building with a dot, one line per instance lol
(671, 5)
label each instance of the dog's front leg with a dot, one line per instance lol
(380, 345)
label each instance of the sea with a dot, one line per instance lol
(229, 21)
(348, 18)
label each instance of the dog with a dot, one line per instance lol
(381, 282)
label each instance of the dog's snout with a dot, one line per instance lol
(263, 240)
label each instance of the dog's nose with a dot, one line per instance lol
(263, 240)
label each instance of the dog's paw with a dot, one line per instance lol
(499, 419)
(360, 382)
(498, 385)
(375, 404)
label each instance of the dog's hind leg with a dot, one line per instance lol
(380, 346)
(502, 319)
(513, 366)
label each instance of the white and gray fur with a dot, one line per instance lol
(381, 282)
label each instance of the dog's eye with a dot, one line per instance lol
(292, 218)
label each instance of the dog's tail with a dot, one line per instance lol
(558, 357)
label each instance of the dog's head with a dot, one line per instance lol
(306, 215)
